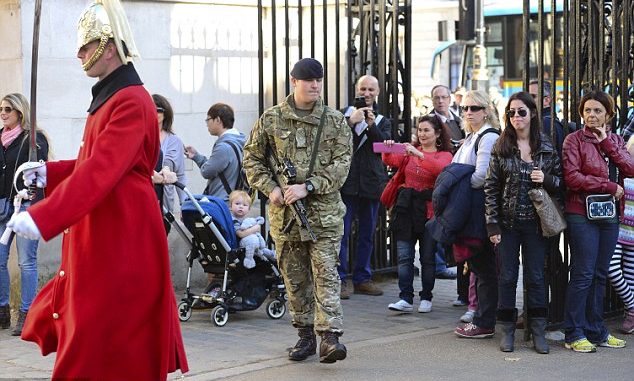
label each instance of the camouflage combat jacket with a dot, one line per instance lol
(292, 137)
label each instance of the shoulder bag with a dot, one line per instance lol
(603, 206)
(551, 218)
(388, 197)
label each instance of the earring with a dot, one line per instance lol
(438, 142)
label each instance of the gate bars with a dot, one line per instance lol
(354, 38)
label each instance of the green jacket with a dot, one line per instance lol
(291, 136)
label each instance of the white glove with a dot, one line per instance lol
(37, 172)
(23, 225)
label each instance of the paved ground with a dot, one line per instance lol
(381, 345)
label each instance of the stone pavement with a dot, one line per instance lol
(252, 342)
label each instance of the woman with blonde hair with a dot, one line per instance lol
(16, 124)
(482, 128)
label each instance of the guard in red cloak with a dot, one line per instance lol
(110, 312)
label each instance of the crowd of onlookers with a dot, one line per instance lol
(463, 187)
(498, 194)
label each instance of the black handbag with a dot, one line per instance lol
(600, 207)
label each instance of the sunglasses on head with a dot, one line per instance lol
(472, 108)
(160, 109)
(520, 111)
(6, 109)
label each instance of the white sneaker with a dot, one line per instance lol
(425, 306)
(401, 306)
(467, 317)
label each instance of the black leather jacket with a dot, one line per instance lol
(502, 184)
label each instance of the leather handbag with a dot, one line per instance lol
(551, 218)
(600, 207)
(388, 197)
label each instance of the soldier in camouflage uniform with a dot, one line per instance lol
(309, 268)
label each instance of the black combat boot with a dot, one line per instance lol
(330, 350)
(17, 331)
(538, 322)
(506, 323)
(306, 345)
(5, 317)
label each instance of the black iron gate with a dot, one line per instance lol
(354, 38)
(596, 39)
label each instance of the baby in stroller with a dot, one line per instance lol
(248, 229)
(215, 246)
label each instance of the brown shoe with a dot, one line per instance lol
(367, 288)
(345, 290)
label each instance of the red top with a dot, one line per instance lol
(110, 312)
(420, 173)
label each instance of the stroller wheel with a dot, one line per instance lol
(184, 311)
(276, 309)
(219, 316)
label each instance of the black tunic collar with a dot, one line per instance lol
(122, 77)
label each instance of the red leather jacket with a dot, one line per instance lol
(585, 169)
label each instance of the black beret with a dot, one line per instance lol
(307, 68)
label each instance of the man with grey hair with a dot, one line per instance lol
(363, 187)
(441, 99)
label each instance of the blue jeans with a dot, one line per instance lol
(441, 263)
(534, 248)
(367, 211)
(27, 260)
(591, 248)
(406, 253)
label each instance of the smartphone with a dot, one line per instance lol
(380, 147)
(359, 102)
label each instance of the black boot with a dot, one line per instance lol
(330, 350)
(17, 331)
(538, 323)
(306, 345)
(506, 320)
(5, 317)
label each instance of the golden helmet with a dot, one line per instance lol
(101, 21)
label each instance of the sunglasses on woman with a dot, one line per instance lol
(472, 108)
(6, 109)
(520, 111)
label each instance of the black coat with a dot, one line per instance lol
(13, 156)
(502, 183)
(367, 176)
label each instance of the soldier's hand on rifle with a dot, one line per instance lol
(276, 196)
(294, 192)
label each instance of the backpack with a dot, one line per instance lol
(488, 130)
(241, 181)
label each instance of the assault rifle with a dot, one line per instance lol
(285, 174)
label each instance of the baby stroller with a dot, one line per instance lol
(214, 245)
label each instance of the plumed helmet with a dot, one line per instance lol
(101, 21)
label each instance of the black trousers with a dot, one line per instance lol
(483, 265)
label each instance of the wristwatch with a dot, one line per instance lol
(310, 188)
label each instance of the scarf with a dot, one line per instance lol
(8, 136)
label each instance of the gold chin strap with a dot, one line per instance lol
(97, 54)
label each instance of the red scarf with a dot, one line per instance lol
(9, 135)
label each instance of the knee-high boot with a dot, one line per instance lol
(538, 323)
(506, 322)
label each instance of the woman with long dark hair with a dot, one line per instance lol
(422, 162)
(522, 159)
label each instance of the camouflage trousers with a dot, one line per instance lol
(312, 283)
